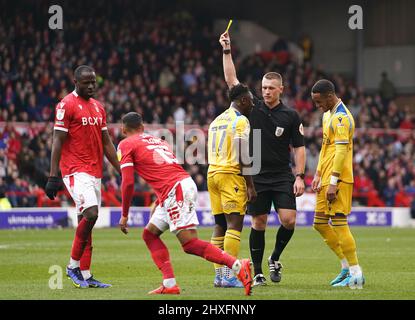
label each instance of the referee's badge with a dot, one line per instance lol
(279, 131)
(301, 129)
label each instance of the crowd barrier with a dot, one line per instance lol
(41, 218)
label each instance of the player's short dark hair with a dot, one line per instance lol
(83, 68)
(273, 76)
(132, 120)
(238, 91)
(323, 87)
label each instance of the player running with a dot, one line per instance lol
(176, 193)
(333, 183)
(229, 188)
(80, 140)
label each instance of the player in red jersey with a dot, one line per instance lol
(176, 193)
(80, 140)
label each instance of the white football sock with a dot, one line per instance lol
(355, 270)
(86, 274)
(73, 263)
(219, 272)
(169, 283)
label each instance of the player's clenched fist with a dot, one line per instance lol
(225, 40)
(52, 187)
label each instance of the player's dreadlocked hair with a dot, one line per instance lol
(78, 71)
(323, 87)
(238, 91)
(132, 120)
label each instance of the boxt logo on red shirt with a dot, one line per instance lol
(92, 121)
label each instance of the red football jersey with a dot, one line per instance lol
(84, 121)
(153, 160)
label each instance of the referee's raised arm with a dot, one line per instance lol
(228, 66)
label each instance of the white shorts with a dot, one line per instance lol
(178, 211)
(84, 189)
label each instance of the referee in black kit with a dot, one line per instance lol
(275, 184)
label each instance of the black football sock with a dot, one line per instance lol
(283, 237)
(257, 246)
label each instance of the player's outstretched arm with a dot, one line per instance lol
(228, 65)
(53, 184)
(109, 150)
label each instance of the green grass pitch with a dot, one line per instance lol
(387, 256)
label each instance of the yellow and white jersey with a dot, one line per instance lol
(222, 152)
(338, 128)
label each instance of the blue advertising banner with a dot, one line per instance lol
(30, 219)
(139, 217)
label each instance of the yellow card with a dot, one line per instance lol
(229, 25)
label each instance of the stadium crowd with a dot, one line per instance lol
(169, 68)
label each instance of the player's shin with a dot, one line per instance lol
(160, 256)
(346, 239)
(209, 252)
(85, 263)
(257, 246)
(83, 231)
(330, 237)
(232, 245)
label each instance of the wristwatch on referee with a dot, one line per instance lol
(301, 175)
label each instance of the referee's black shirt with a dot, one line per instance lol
(280, 128)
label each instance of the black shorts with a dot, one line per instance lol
(280, 199)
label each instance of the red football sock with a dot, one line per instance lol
(159, 253)
(87, 255)
(83, 231)
(209, 252)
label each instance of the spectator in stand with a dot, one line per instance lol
(387, 89)
(307, 45)
(389, 192)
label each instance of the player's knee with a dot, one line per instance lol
(319, 227)
(259, 222)
(91, 214)
(220, 223)
(288, 223)
(147, 236)
(235, 221)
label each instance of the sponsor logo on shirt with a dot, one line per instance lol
(92, 121)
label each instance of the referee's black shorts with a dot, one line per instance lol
(283, 198)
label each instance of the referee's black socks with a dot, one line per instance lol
(257, 246)
(283, 237)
